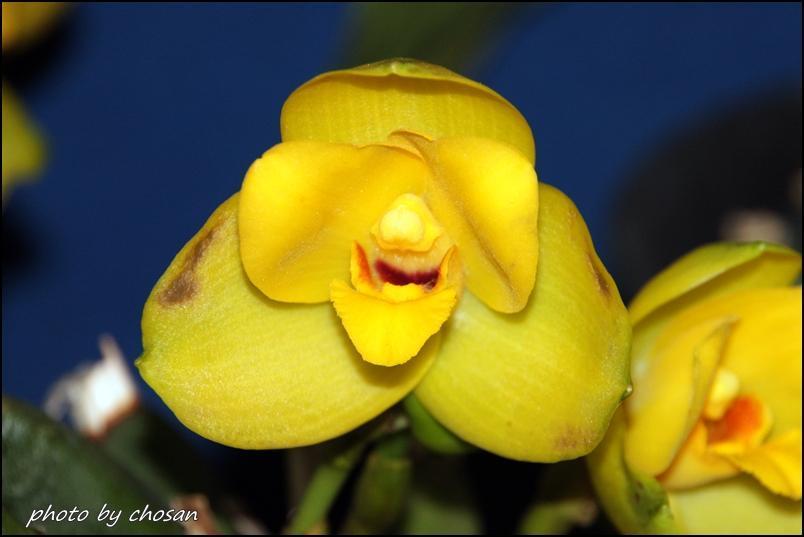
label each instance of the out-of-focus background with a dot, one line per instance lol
(668, 125)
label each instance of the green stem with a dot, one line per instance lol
(381, 491)
(324, 487)
(329, 477)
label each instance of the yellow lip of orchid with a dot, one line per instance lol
(388, 323)
(715, 418)
(374, 253)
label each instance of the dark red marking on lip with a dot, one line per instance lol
(395, 276)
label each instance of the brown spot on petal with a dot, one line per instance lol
(599, 274)
(182, 289)
(574, 440)
(185, 286)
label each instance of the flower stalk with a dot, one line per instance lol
(343, 456)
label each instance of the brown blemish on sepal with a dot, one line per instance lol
(576, 226)
(182, 289)
(599, 275)
(185, 286)
(574, 440)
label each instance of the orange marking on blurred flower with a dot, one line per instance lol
(744, 421)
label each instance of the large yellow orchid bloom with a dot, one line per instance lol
(710, 440)
(397, 240)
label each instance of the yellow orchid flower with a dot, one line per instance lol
(710, 440)
(397, 240)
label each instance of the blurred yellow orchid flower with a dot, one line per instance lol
(397, 240)
(23, 148)
(710, 440)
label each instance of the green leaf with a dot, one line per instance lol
(147, 447)
(443, 33)
(12, 526)
(46, 464)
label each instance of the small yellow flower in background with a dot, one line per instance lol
(23, 148)
(397, 240)
(710, 439)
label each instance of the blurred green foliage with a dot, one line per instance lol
(45, 463)
(445, 33)
(563, 502)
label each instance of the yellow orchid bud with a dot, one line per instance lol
(710, 440)
(396, 241)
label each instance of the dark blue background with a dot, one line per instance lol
(153, 113)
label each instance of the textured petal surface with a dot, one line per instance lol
(486, 197)
(705, 273)
(765, 350)
(542, 384)
(302, 206)
(366, 104)
(717, 269)
(248, 372)
(695, 464)
(389, 333)
(665, 407)
(776, 464)
(740, 505)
